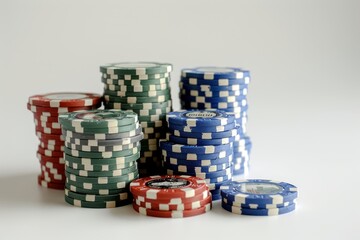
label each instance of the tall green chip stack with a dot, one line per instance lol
(143, 87)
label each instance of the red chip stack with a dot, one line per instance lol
(46, 109)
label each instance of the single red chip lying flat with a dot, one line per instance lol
(65, 99)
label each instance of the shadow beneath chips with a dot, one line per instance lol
(23, 190)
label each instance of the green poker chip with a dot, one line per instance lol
(103, 161)
(110, 173)
(104, 204)
(108, 118)
(83, 154)
(101, 180)
(148, 112)
(136, 94)
(121, 82)
(136, 77)
(131, 106)
(123, 143)
(102, 192)
(136, 68)
(152, 118)
(98, 167)
(137, 88)
(108, 130)
(151, 124)
(96, 186)
(98, 198)
(132, 100)
(153, 147)
(99, 148)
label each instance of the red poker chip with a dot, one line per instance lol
(172, 214)
(53, 112)
(166, 186)
(51, 146)
(52, 177)
(45, 159)
(44, 118)
(47, 124)
(46, 137)
(50, 153)
(175, 201)
(42, 182)
(52, 165)
(65, 99)
(48, 130)
(173, 207)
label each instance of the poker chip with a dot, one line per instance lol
(100, 162)
(214, 73)
(258, 212)
(170, 196)
(46, 108)
(259, 191)
(136, 68)
(143, 88)
(65, 99)
(225, 89)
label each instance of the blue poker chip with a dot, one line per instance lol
(199, 118)
(216, 94)
(259, 191)
(205, 175)
(258, 212)
(227, 161)
(209, 88)
(191, 169)
(200, 142)
(187, 104)
(212, 73)
(220, 179)
(202, 99)
(215, 187)
(206, 135)
(256, 206)
(216, 197)
(220, 156)
(212, 129)
(215, 82)
(180, 148)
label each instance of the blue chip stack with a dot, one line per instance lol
(224, 89)
(200, 143)
(258, 197)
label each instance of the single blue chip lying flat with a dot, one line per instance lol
(256, 206)
(258, 191)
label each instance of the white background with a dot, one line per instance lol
(304, 100)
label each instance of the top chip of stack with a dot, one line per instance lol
(46, 108)
(170, 196)
(258, 197)
(144, 88)
(223, 88)
(101, 150)
(200, 143)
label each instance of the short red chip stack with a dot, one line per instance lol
(170, 196)
(46, 109)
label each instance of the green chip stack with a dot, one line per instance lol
(101, 152)
(143, 87)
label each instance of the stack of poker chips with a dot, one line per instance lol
(101, 150)
(200, 143)
(46, 108)
(144, 88)
(224, 89)
(258, 197)
(170, 196)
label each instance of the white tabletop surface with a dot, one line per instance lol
(304, 101)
